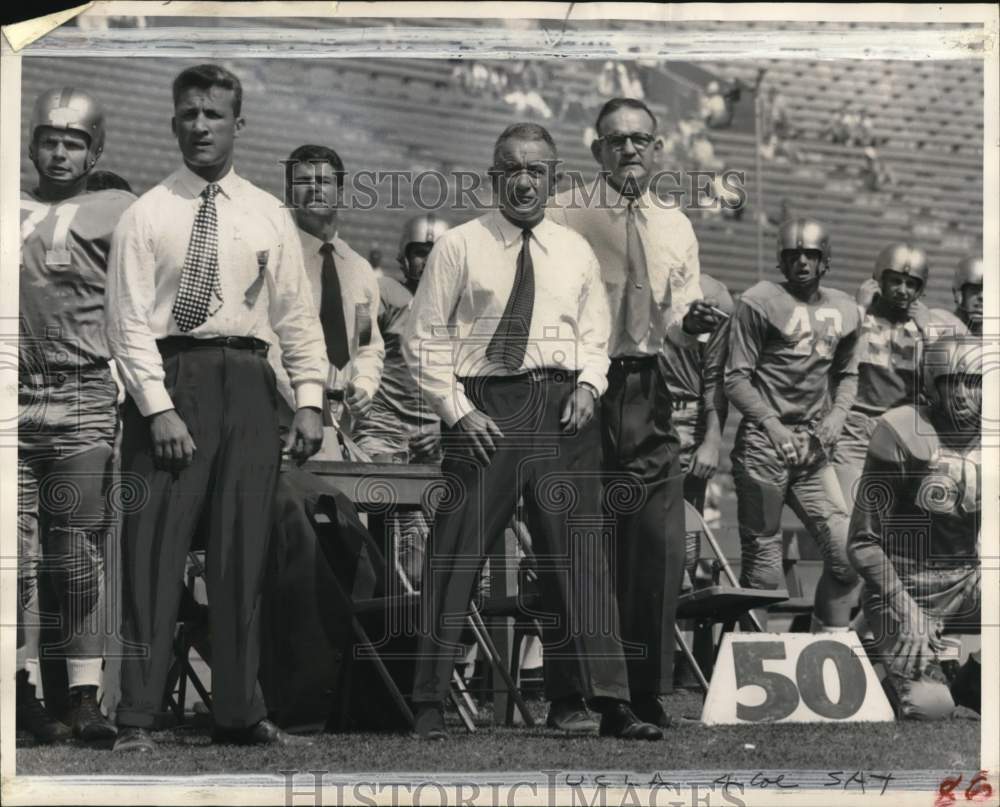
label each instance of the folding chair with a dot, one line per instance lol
(191, 634)
(404, 609)
(729, 605)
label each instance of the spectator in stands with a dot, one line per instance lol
(876, 174)
(778, 131)
(343, 286)
(526, 83)
(517, 411)
(105, 180)
(717, 104)
(864, 135)
(649, 261)
(185, 316)
(842, 129)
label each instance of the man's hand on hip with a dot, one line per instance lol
(173, 446)
(478, 431)
(305, 436)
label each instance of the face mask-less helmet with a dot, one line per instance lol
(904, 259)
(424, 229)
(953, 355)
(968, 272)
(804, 234)
(70, 109)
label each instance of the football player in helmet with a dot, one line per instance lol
(791, 351)
(967, 290)
(699, 414)
(914, 533)
(400, 427)
(68, 413)
(888, 355)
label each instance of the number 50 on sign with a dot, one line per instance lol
(794, 677)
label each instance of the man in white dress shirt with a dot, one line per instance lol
(201, 267)
(507, 337)
(648, 254)
(344, 287)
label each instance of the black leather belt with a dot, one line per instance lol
(556, 375)
(174, 344)
(633, 364)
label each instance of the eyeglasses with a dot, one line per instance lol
(640, 140)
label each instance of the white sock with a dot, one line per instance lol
(83, 672)
(34, 675)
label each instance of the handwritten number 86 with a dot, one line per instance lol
(978, 790)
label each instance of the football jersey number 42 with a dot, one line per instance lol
(823, 338)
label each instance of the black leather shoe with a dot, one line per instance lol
(570, 714)
(263, 732)
(33, 718)
(132, 740)
(619, 721)
(649, 709)
(429, 722)
(86, 719)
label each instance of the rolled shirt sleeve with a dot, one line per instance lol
(595, 329)
(367, 363)
(685, 288)
(295, 321)
(130, 298)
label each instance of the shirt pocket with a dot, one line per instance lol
(256, 256)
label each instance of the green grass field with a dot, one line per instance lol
(883, 746)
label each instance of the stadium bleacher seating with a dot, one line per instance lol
(405, 114)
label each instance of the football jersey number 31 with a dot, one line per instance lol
(58, 253)
(800, 325)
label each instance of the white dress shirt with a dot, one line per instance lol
(360, 293)
(264, 286)
(597, 212)
(463, 294)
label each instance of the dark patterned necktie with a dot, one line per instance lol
(637, 292)
(200, 275)
(331, 311)
(509, 343)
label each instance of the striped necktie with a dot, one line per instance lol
(200, 275)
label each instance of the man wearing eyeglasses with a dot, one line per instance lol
(648, 255)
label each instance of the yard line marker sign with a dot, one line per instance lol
(794, 678)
